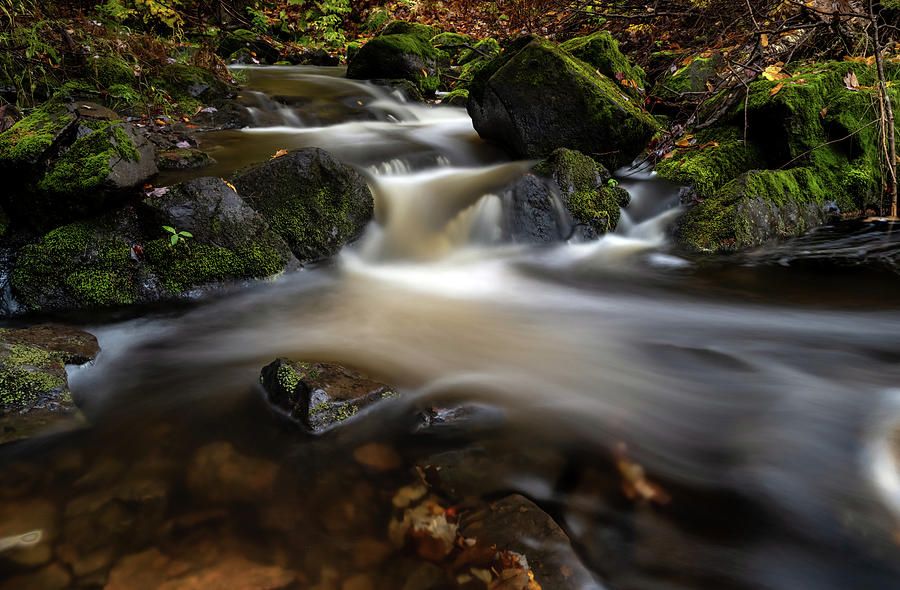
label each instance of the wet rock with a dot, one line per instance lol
(536, 98)
(312, 200)
(601, 51)
(319, 395)
(8, 116)
(229, 115)
(91, 111)
(237, 573)
(218, 473)
(392, 56)
(517, 524)
(690, 78)
(456, 98)
(313, 57)
(183, 159)
(52, 577)
(404, 88)
(34, 391)
(534, 215)
(245, 39)
(30, 527)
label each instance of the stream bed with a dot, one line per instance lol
(760, 393)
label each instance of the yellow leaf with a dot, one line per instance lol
(278, 154)
(764, 40)
(424, 73)
(684, 141)
(231, 186)
(771, 73)
(776, 89)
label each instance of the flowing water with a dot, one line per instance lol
(761, 392)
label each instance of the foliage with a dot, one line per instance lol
(177, 237)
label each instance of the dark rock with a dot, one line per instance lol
(319, 395)
(17, 518)
(400, 27)
(218, 473)
(242, 57)
(690, 78)
(399, 56)
(316, 203)
(8, 117)
(407, 89)
(516, 524)
(456, 98)
(34, 392)
(52, 577)
(534, 213)
(229, 115)
(536, 98)
(92, 111)
(313, 57)
(601, 51)
(244, 39)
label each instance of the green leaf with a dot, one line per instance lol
(169, 229)
(173, 239)
(186, 234)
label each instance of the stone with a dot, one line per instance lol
(34, 392)
(399, 56)
(516, 524)
(378, 457)
(218, 473)
(52, 577)
(28, 516)
(319, 395)
(245, 39)
(183, 159)
(535, 98)
(312, 200)
(601, 51)
(234, 573)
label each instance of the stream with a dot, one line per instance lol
(760, 391)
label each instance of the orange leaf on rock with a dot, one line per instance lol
(278, 154)
(776, 89)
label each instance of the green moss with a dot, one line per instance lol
(484, 49)
(110, 70)
(399, 27)
(288, 378)
(185, 266)
(601, 51)
(707, 169)
(71, 262)
(26, 374)
(689, 78)
(451, 43)
(387, 57)
(456, 98)
(87, 164)
(31, 137)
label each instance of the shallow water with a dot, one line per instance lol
(760, 391)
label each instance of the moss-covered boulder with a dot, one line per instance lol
(320, 395)
(128, 257)
(591, 197)
(400, 27)
(536, 98)
(710, 160)
(313, 201)
(602, 51)
(812, 152)
(484, 49)
(456, 98)
(399, 56)
(453, 44)
(34, 392)
(690, 78)
(61, 166)
(246, 39)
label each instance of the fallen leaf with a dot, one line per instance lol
(764, 40)
(776, 89)
(850, 81)
(231, 186)
(688, 60)
(278, 154)
(669, 155)
(774, 73)
(684, 141)
(823, 112)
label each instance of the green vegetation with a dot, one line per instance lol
(177, 237)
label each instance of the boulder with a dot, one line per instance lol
(34, 392)
(420, 31)
(403, 56)
(313, 201)
(690, 78)
(810, 155)
(456, 98)
(246, 39)
(127, 257)
(319, 395)
(601, 51)
(183, 159)
(536, 98)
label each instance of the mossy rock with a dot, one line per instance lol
(75, 266)
(757, 207)
(313, 201)
(320, 395)
(243, 38)
(456, 98)
(484, 49)
(400, 27)
(717, 156)
(539, 98)
(34, 391)
(690, 78)
(399, 56)
(601, 51)
(36, 137)
(585, 185)
(183, 159)
(111, 70)
(406, 89)
(452, 43)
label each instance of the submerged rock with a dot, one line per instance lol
(313, 201)
(34, 393)
(219, 473)
(536, 98)
(320, 395)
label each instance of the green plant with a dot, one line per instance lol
(176, 237)
(612, 183)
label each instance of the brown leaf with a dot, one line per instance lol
(776, 89)
(688, 60)
(850, 81)
(764, 40)
(823, 112)
(669, 155)
(278, 154)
